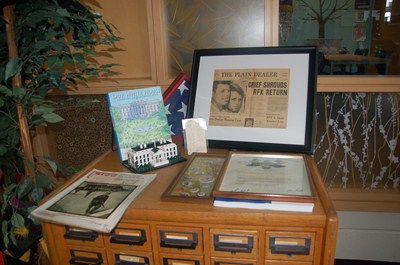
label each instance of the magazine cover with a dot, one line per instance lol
(138, 118)
(96, 201)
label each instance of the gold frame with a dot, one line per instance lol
(192, 184)
(248, 165)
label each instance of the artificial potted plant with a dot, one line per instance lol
(45, 45)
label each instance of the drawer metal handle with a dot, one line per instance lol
(129, 238)
(230, 243)
(78, 234)
(278, 245)
(80, 260)
(181, 240)
(124, 259)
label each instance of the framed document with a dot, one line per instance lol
(266, 176)
(255, 98)
(196, 181)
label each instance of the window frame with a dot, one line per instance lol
(337, 83)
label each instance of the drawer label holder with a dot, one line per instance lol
(79, 234)
(290, 245)
(85, 257)
(125, 259)
(137, 237)
(233, 243)
(180, 240)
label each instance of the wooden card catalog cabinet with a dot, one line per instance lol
(157, 232)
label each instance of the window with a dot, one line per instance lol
(354, 41)
(352, 35)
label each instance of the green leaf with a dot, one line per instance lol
(52, 117)
(36, 99)
(42, 181)
(37, 120)
(24, 187)
(17, 220)
(41, 45)
(89, 51)
(53, 61)
(19, 92)
(59, 46)
(12, 67)
(13, 239)
(13, 139)
(52, 164)
(79, 58)
(3, 149)
(5, 90)
(43, 109)
(31, 208)
(37, 194)
(62, 12)
(5, 231)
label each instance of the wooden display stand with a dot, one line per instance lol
(161, 232)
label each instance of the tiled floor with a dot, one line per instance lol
(362, 262)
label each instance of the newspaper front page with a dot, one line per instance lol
(250, 98)
(95, 201)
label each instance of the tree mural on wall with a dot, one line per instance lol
(323, 11)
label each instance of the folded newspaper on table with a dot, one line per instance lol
(95, 201)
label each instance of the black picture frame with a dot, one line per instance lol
(291, 69)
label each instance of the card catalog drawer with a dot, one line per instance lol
(290, 245)
(280, 262)
(130, 237)
(123, 257)
(228, 261)
(79, 256)
(78, 236)
(184, 240)
(181, 260)
(234, 243)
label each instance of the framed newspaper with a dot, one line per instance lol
(255, 98)
(266, 176)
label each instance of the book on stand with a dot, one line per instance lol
(141, 129)
(138, 116)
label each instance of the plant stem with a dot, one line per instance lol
(26, 143)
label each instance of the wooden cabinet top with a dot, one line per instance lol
(148, 205)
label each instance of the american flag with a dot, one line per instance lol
(176, 99)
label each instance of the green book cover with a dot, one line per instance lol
(138, 117)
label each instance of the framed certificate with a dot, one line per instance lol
(266, 176)
(255, 98)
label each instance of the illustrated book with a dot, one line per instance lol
(96, 201)
(138, 118)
